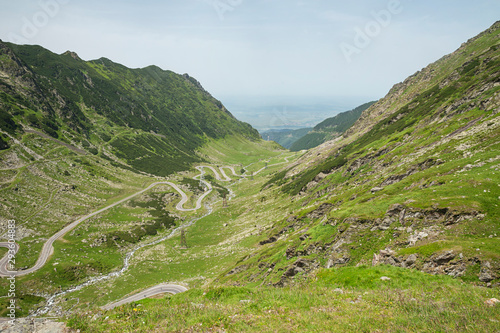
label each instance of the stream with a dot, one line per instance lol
(51, 301)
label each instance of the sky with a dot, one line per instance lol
(296, 49)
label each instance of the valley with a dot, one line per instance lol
(123, 181)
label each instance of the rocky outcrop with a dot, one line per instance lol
(237, 270)
(412, 170)
(446, 263)
(271, 239)
(486, 274)
(320, 211)
(302, 265)
(333, 261)
(388, 257)
(410, 216)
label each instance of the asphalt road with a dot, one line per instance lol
(4, 262)
(159, 289)
(48, 249)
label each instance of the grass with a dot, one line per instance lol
(342, 300)
(24, 303)
(212, 246)
(447, 184)
(238, 151)
(93, 182)
(466, 180)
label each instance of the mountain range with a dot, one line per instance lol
(390, 223)
(107, 109)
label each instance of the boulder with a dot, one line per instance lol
(411, 260)
(444, 258)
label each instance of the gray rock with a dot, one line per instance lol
(485, 275)
(376, 189)
(411, 260)
(444, 258)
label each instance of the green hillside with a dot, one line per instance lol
(393, 227)
(285, 138)
(108, 109)
(416, 175)
(329, 128)
(78, 136)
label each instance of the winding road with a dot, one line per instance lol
(48, 248)
(159, 289)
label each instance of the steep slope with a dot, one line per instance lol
(413, 183)
(329, 128)
(108, 109)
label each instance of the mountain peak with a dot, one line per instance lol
(73, 55)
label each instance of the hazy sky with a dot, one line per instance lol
(258, 47)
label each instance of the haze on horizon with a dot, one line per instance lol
(259, 50)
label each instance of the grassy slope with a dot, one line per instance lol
(444, 149)
(215, 242)
(44, 195)
(121, 121)
(53, 185)
(343, 300)
(443, 142)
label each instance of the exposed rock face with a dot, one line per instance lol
(445, 263)
(271, 239)
(412, 170)
(388, 257)
(34, 325)
(410, 261)
(320, 211)
(332, 262)
(440, 263)
(402, 219)
(443, 258)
